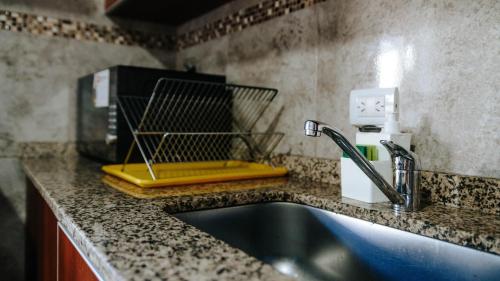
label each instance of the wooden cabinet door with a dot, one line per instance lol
(50, 254)
(41, 237)
(72, 266)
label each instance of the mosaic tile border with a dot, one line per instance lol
(477, 193)
(244, 18)
(234, 22)
(64, 28)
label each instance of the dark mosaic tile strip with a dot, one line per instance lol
(472, 192)
(235, 22)
(244, 18)
(49, 26)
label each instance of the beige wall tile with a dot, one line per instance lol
(443, 55)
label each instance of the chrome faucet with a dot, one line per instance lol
(405, 195)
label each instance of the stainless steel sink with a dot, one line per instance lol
(314, 244)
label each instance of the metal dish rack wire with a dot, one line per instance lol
(191, 121)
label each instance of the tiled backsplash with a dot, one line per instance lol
(441, 54)
(477, 193)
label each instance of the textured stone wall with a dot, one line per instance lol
(443, 56)
(38, 76)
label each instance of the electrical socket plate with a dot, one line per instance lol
(369, 106)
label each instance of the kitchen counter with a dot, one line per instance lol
(126, 238)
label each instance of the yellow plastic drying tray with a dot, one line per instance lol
(169, 174)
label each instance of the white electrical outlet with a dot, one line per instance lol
(369, 106)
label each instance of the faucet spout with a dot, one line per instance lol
(312, 128)
(315, 129)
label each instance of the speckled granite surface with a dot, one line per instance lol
(478, 193)
(472, 192)
(132, 239)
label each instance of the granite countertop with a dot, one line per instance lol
(126, 238)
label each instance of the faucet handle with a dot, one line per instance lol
(403, 159)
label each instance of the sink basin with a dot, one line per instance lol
(314, 244)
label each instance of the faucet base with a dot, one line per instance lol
(398, 208)
(402, 209)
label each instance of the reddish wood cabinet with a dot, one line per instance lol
(50, 254)
(72, 267)
(41, 237)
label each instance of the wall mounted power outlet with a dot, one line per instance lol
(369, 106)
